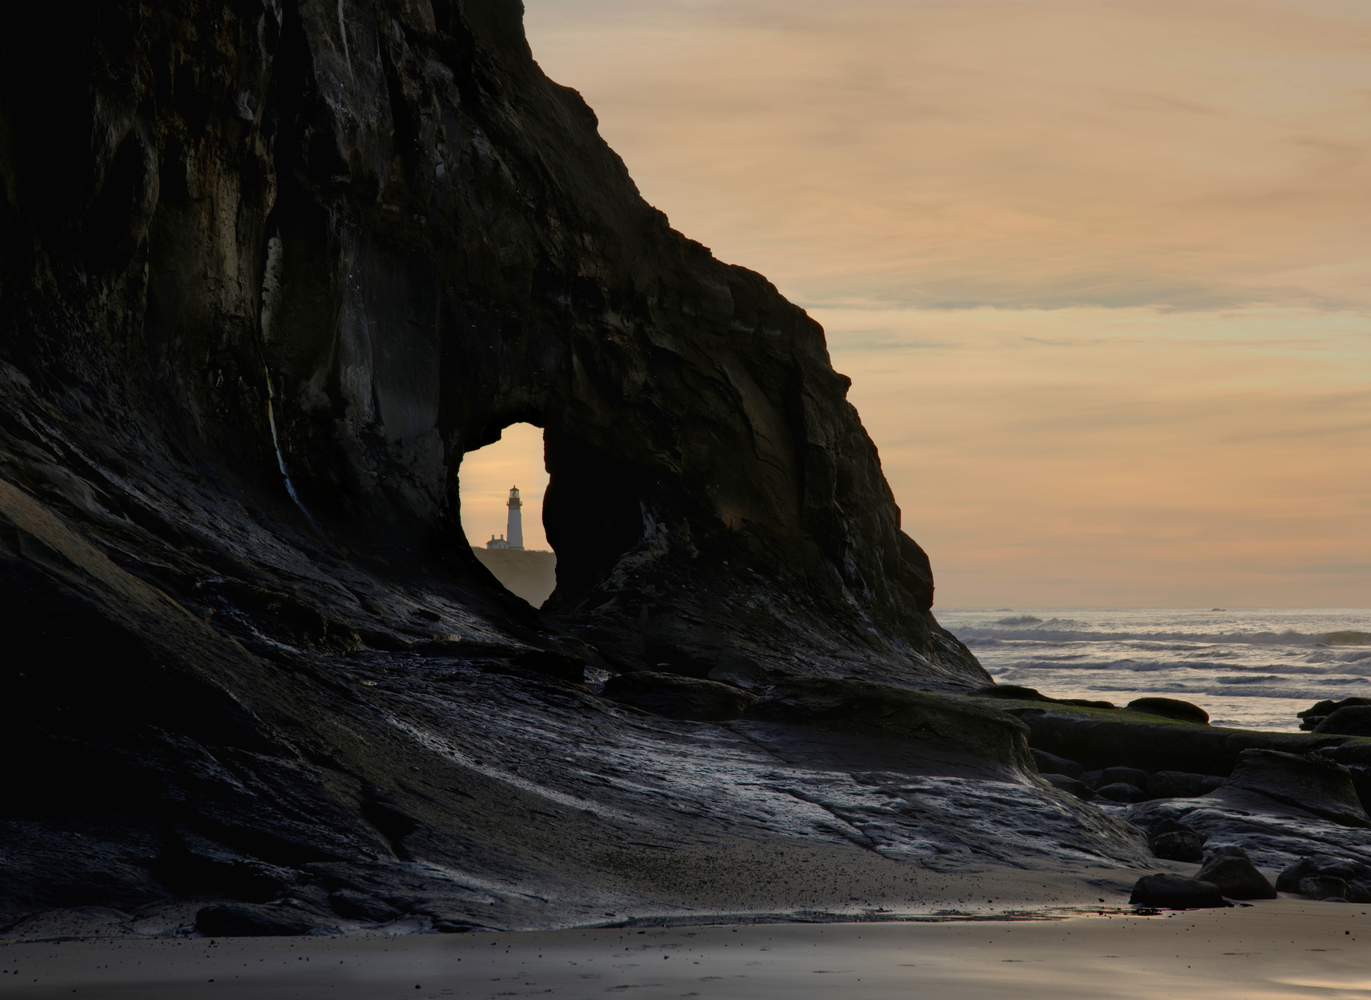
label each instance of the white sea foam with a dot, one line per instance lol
(1248, 667)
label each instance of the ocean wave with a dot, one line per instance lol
(974, 635)
(1020, 620)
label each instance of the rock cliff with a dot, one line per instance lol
(269, 269)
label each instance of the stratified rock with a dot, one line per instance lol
(1171, 708)
(1121, 791)
(1353, 720)
(250, 920)
(1178, 845)
(677, 697)
(1066, 783)
(1129, 775)
(1311, 782)
(1175, 892)
(1237, 877)
(1323, 887)
(1182, 784)
(1052, 764)
(360, 906)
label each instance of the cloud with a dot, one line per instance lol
(1097, 268)
(1016, 154)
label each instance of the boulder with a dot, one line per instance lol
(1323, 887)
(1121, 791)
(677, 697)
(1355, 874)
(1182, 784)
(1321, 710)
(1352, 720)
(1170, 708)
(1237, 877)
(1130, 775)
(1066, 783)
(1157, 827)
(1311, 782)
(1050, 763)
(1175, 892)
(1178, 845)
(252, 920)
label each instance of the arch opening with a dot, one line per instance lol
(501, 489)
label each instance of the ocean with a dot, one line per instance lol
(1252, 668)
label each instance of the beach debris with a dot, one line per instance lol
(1176, 892)
(1237, 877)
(1171, 708)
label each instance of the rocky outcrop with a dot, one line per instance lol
(284, 264)
(268, 271)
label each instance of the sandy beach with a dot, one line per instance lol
(1278, 949)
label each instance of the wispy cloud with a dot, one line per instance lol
(1099, 268)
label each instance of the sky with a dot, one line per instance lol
(1100, 271)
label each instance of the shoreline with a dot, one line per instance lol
(1284, 948)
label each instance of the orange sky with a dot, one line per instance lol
(1099, 270)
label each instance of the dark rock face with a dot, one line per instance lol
(248, 920)
(346, 245)
(1237, 877)
(1176, 893)
(1121, 791)
(1311, 782)
(1178, 845)
(1181, 784)
(1066, 783)
(267, 272)
(1323, 887)
(1171, 708)
(1311, 717)
(1135, 776)
(1052, 764)
(1347, 721)
(964, 733)
(677, 697)
(1348, 878)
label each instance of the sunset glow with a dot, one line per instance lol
(1099, 271)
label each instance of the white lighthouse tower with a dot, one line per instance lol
(515, 533)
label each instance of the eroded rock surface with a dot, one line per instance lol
(267, 272)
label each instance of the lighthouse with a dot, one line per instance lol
(515, 534)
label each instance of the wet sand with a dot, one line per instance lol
(1277, 949)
